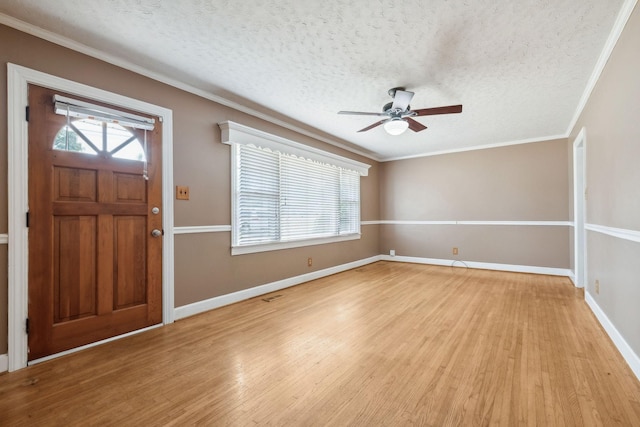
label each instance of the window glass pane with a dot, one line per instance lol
(92, 130)
(68, 140)
(132, 151)
(116, 137)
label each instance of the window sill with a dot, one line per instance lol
(265, 247)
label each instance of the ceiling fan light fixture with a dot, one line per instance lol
(396, 126)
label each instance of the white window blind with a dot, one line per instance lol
(258, 197)
(286, 194)
(283, 198)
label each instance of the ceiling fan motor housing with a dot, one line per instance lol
(387, 109)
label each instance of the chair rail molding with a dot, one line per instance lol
(620, 233)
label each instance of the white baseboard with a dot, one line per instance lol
(210, 304)
(572, 276)
(482, 265)
(621, 344)
(4, 363)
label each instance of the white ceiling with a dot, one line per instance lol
(520, 68)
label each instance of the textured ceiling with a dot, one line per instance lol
(518, 67)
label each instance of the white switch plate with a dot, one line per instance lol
(392, 252)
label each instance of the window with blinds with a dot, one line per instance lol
(283, 197)
(285, 194)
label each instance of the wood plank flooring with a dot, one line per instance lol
(386, 344)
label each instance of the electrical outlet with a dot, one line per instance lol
(309, 261)
(182, 192)
(455, 251)
(598, 287)
(392, 252)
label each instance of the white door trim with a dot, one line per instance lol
(18, 79)
(579, 208)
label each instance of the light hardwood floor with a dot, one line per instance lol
(386, 344)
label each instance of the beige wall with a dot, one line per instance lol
(612, 121)
(525, 182)
(203, 264)
(204, 268)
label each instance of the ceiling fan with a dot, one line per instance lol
(399, 113)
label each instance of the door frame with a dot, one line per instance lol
(18, 79)
(579, 208)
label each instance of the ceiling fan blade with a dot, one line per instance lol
(438, 110)
(360, 113)
(372, 126)
(414, 125)
(401, 100)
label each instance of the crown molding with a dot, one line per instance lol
(477, 147)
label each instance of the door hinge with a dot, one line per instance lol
(26, 113)
(27, 219)
(26, 326)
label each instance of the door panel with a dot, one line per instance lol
(95, 271)
(75, 185)
(74, 266)
(130, 261)
(129, 188)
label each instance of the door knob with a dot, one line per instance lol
(156, 233)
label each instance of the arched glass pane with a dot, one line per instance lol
(131, 151)
(70, 141)
(120, 142)
(91, 129)
(116, 137)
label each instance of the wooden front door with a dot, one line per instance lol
(95, 269)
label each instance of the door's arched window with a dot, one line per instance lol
(94, 136)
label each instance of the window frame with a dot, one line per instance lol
(235, 135)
